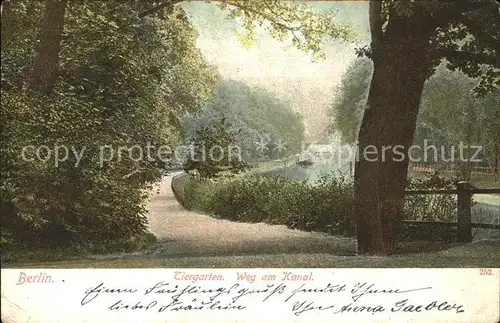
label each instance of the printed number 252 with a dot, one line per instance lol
(485, 271)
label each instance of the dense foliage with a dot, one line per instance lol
(123, 82)
(103, 81)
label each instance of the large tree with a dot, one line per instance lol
(409, 39)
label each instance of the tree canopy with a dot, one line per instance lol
(296, 23)
(122, 81)
(466, 33)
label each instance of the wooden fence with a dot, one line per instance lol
(464, 192)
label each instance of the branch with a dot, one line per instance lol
(455, 10)
(274, 13)
(290, 28)
(468, 6)
(245, 8)
(478, 31)
(158, 7)
(481, 58)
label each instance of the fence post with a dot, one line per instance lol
(464, 205)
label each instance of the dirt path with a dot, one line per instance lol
(186, 233)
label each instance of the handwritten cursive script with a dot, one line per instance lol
(178, 295)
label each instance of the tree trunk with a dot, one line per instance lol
(497, 160)
(389, 121)
(45, 67)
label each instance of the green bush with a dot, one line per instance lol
(197, 194)
(324, 207)
(49, 205)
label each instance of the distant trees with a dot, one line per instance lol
(450, 113)
(350, 100)
(261, 121)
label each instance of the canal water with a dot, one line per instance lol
(310, 173)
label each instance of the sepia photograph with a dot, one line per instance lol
(249, 134)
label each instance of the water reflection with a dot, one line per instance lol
(310, 174)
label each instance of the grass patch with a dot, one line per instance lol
(485, 181)
(24, 254)
(438, 259)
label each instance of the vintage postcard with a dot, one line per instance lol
(250, 160)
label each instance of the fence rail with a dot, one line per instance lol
(464, 192)
(450, 168)
(455, 191)
(454, 224)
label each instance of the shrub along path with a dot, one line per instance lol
(181, 232)
(191, 239)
